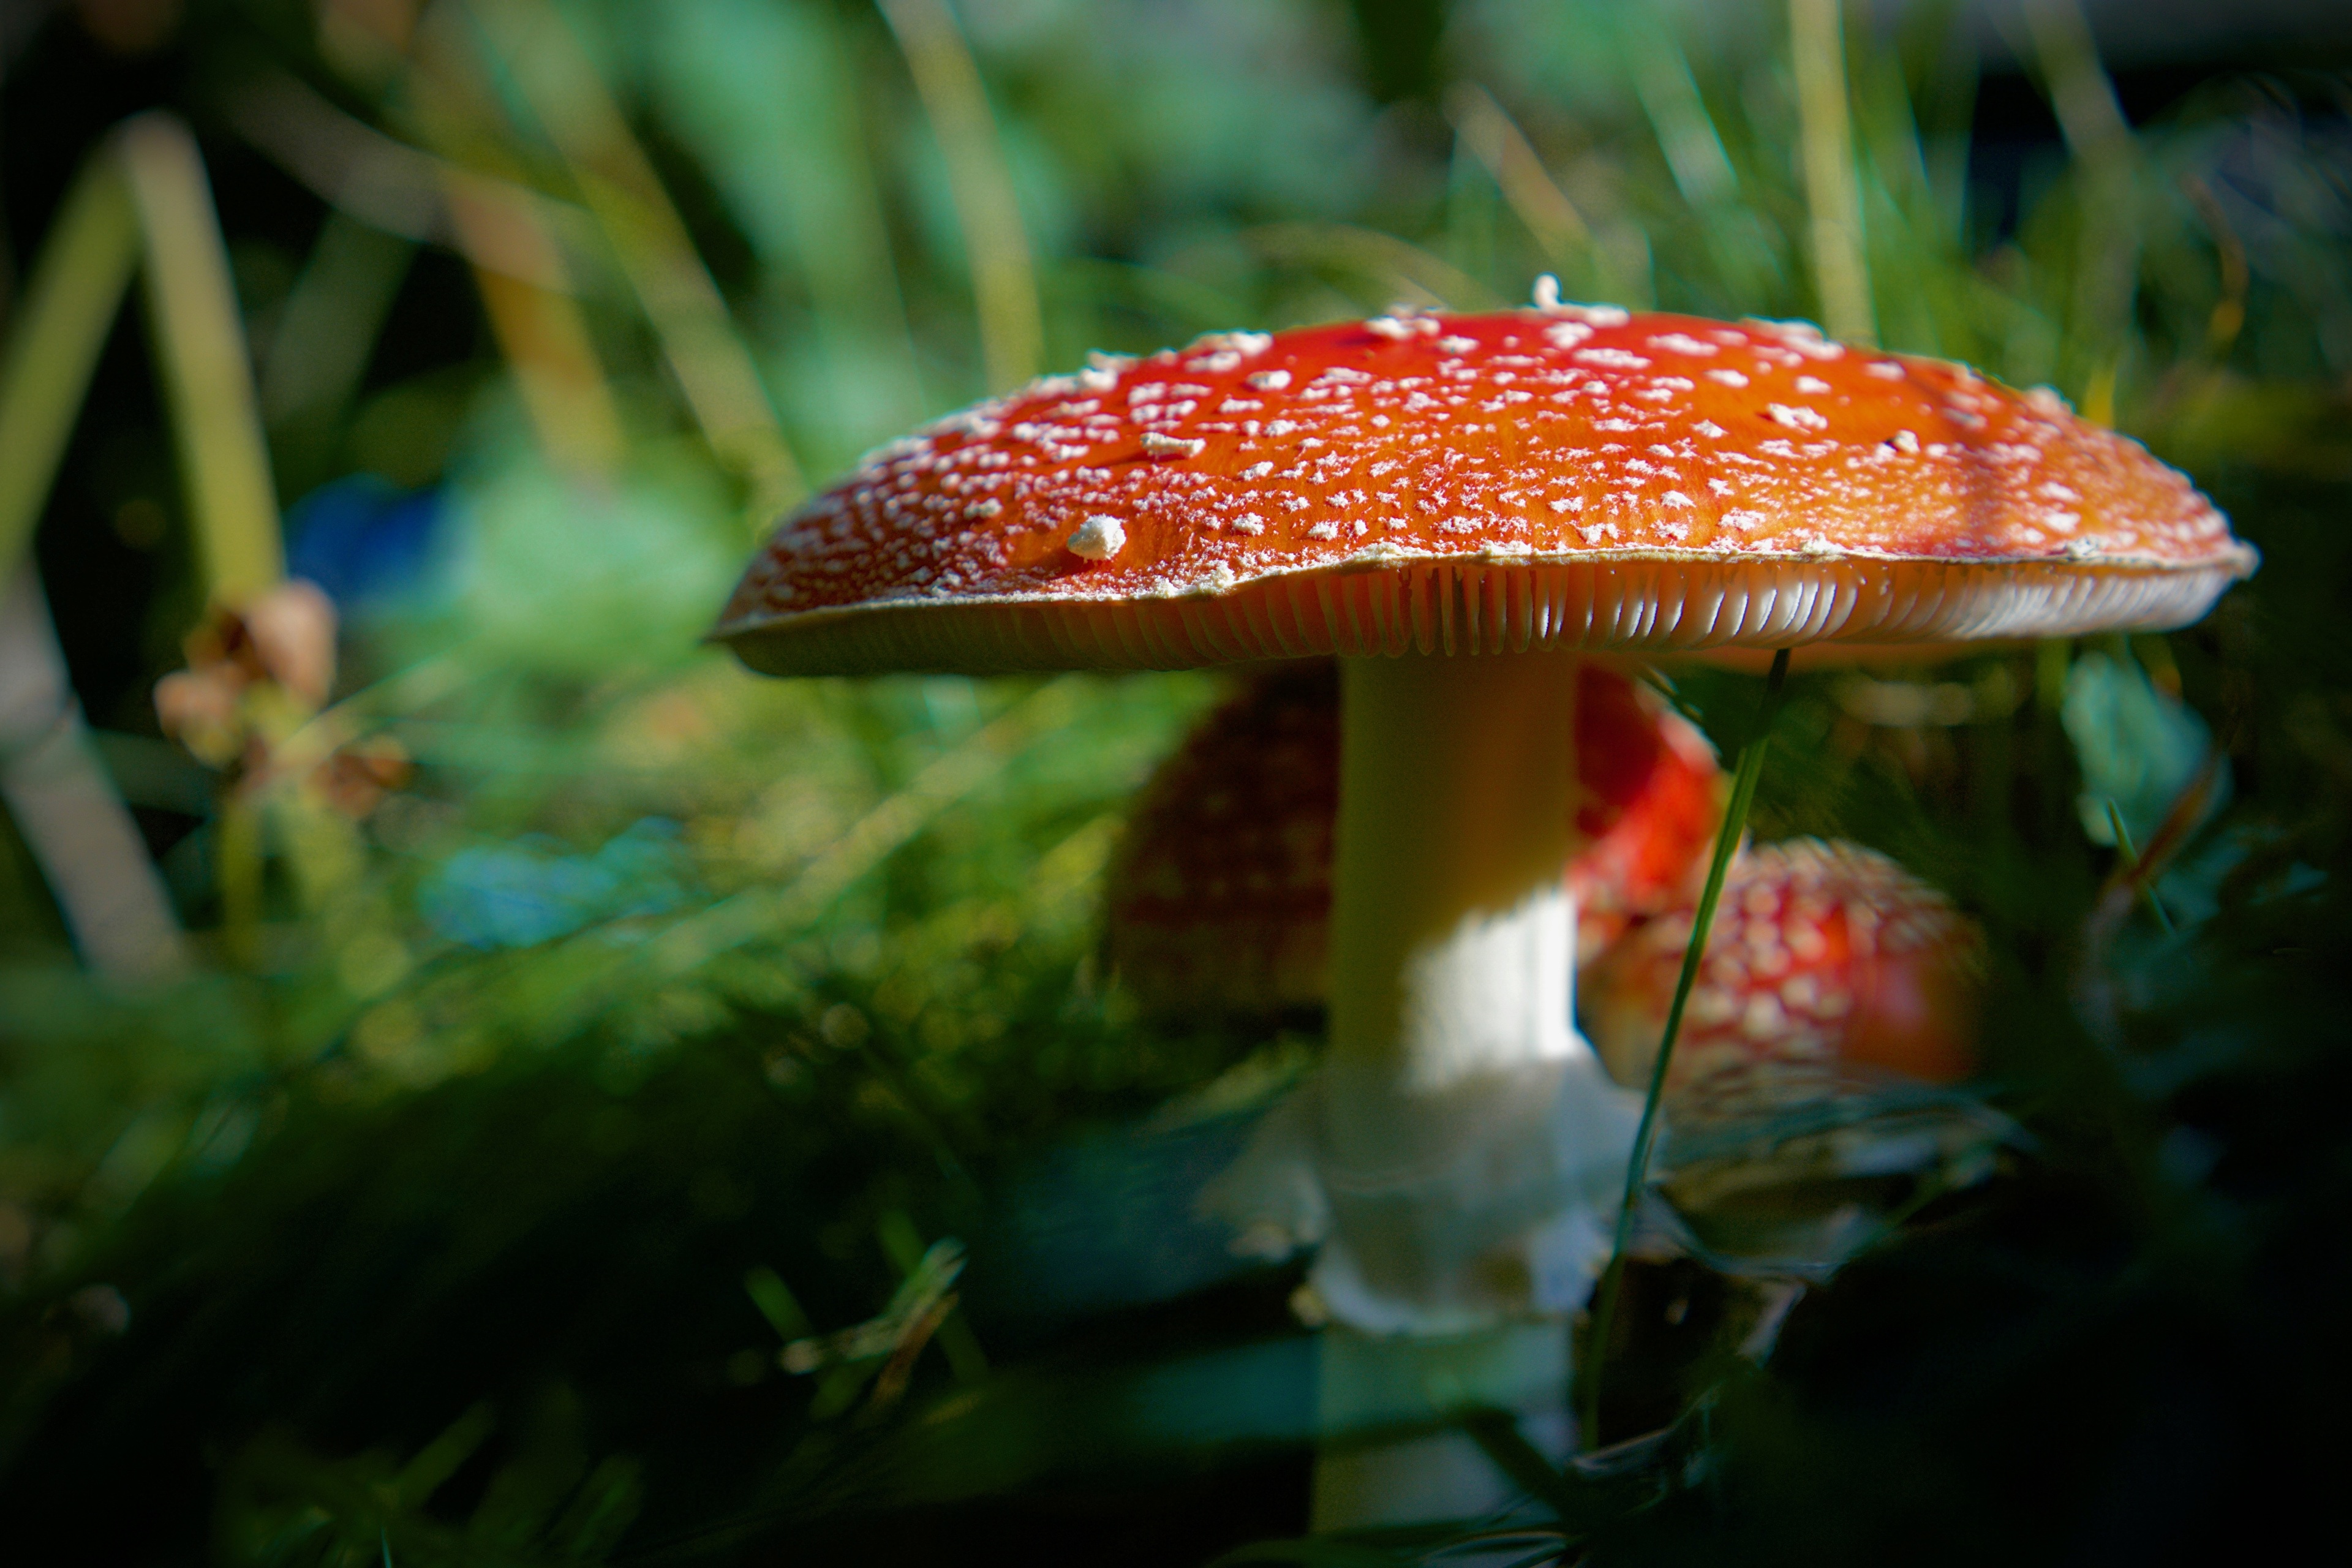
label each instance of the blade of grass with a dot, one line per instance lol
(1841, 275)
(77, 284)
(775, 104)
(527, 295)
(2107, 237)
(543, 337)
(1399, 267)
(206, 371)
(619, 186)
(1637, 1169)
(388, 185)
(331, 321)
(66, 807)
(1560, 230)
(1669, 97)
(1701, 169)
(1003, 277)
(2130, 862)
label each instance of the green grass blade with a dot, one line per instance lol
(619, 186)
(206, 371)
(1637, 1169)
(53, 345)
(1004, 275)
(1841, 275)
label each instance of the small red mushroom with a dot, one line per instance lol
(1821, 954)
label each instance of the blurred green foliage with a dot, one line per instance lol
(417, 1227)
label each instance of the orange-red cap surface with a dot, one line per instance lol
(1652, 799)
(1219, 899)
(1820, 953)
(1570, 477)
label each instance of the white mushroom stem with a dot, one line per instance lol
(1450, 927)
(1468, 1139)
(1468, 1146)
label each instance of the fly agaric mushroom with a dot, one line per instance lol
(1456, 507)
(1219, 899)
(1823, 952)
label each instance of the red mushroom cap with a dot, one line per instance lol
(1219, 897)
(1654, 800)
(1571, 477)
(1821, 954)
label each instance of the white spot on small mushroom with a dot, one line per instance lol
(1258, 470)
(1904, 442)
(1708, 428)
(1158, 446)
(1811, 384)
(985, 507)
(2046, 400)
(1728, 377)
(1268, 380)
(1885, 369)
(1249, 522)
(1457, 345)
(1098, 538)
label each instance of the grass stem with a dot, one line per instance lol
(1004, 275)
(1637, 1169)
(1833, 196)
(2131, 858)
(206, 371)
(620, 188)
(77, 284)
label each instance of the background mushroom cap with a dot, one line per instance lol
(1821, 954)
(1572, 478)
(1219, 897)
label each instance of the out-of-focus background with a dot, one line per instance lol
(431, 1094)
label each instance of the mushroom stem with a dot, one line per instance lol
(1466, 1127)
(1466, 1137)
(1449, 921)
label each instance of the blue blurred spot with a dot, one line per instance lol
(362, 539)
(528, 891)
